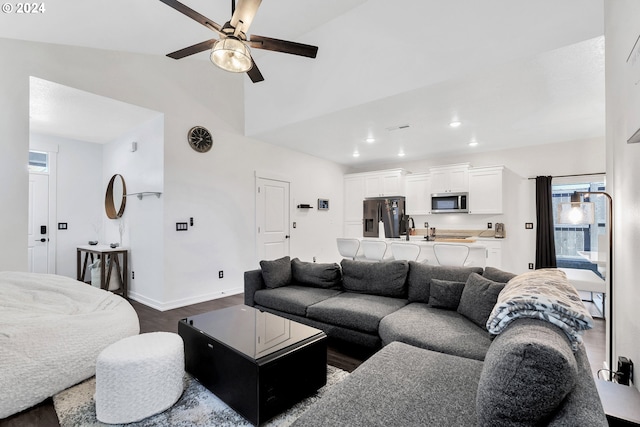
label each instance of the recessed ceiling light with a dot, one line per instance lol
(455, 123)
(370, 140)
(356, 154)
(473, 143)
(401, 154)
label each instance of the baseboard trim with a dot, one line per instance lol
(170, 305)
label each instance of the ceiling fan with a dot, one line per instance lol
(230, 52)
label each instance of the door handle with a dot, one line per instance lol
(287, 236)
(42, 240)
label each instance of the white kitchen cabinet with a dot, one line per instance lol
(450, 179)
(418, 194)
(358, 186)
(494, 252)
(353, 229)
(353, 197)
(384, 183)
(485, 190)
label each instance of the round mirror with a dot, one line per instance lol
(116, 198)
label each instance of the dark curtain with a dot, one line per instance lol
(545, 241)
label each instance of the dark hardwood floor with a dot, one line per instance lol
(339, 354)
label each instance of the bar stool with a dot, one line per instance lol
(452, 255)
(405, 251)
(374, 250)
(348, 247)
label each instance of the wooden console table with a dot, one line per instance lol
(107, 255)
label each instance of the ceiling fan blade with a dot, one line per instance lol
(260, 42)
(186, 10)
(191, 50)
(243, 14)
(254, 73)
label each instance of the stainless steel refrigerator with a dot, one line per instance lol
(388, 210)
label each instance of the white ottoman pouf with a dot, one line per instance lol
(139, 376)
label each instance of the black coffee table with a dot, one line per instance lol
(258, 363)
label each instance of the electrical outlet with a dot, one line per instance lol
(426, 225)
(625, 370)
(489, 225)
(133, 275)
(220, 274)
(530, 266)
(191, 221)
(528, 225)
(294, 224)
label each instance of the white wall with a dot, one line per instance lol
(573, 157)
(623, 116)
(14, 144)
(215, 188)
(142, 232)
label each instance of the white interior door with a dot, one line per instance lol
(272, 218)
(38, 223)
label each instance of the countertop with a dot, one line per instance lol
(420, 240)
(471, 238)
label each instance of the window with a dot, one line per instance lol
(574, 242)
(38, 162)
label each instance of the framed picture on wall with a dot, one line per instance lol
(323, 204)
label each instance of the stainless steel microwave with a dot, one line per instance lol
(450, 203)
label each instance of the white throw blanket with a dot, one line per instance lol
(51, 331)
(546, 295)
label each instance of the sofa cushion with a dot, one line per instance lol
(435, 329)
(401, 385)
(528, 371)
(356, 311)
(445, 294)
(420, 275)
(318, 275)
(276, 273)
(293, 299)
(380, 278)
(497, 275)
(479, 296)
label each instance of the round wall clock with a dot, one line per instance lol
(200, 139)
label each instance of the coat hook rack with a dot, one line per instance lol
(145, 193)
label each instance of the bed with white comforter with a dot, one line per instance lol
(52, 329)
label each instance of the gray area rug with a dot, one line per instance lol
(196, 407)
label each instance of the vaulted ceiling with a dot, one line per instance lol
(514, 72)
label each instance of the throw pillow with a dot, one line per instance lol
(478, 299)
(420, 275)
(276, 273)
(317, 275)
(445, 294)
(387, 279)
(497, 275)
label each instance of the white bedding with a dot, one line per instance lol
(52, 329)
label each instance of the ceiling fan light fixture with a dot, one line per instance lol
(231, 54)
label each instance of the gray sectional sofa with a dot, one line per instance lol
(438, 364)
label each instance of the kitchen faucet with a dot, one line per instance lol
(409, 227)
